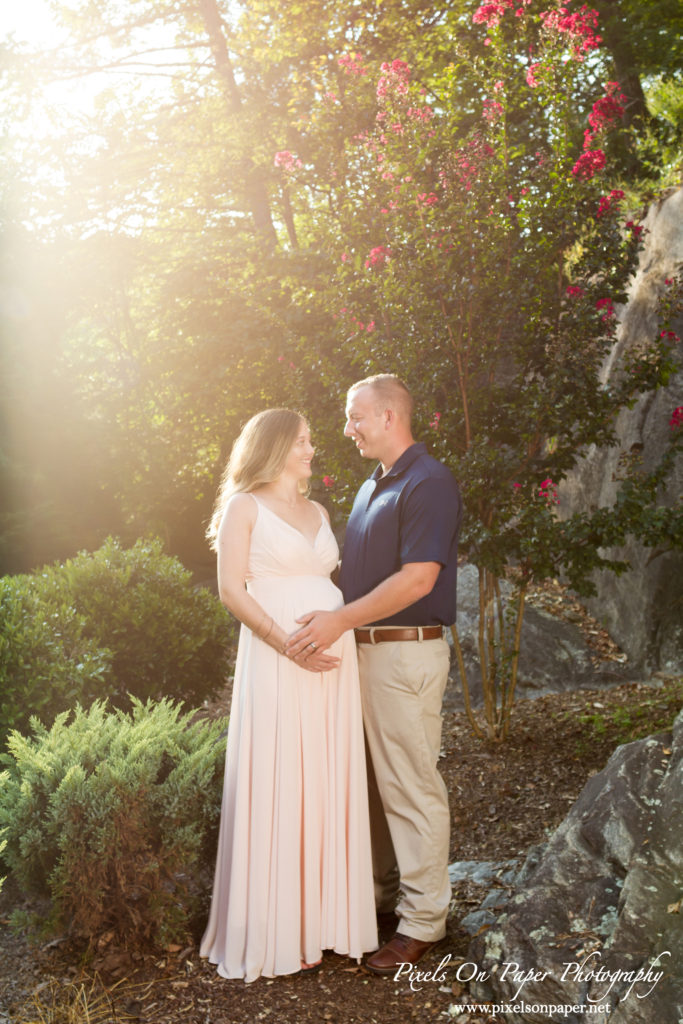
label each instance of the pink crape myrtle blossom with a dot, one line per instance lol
(468, 160)
(435, 421)
(352, 64)
(605, 113)
(532, 75)
(676, 418)
(574, 291)
(489, 14)
(493, 111)
(670, 336)
(548, 492)
(328, 481)
(609, 109)
(637, 229)
(605, 305)
(610, 201)
(394, 79)
(286, 160)
(578, 27)
(378, 256)
(423, 114)
(588, 164)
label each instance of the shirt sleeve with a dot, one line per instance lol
(430, 521)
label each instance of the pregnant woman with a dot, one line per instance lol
(294, 869)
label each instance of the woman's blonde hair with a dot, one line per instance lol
(258, 457)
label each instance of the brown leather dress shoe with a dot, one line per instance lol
(402, 949)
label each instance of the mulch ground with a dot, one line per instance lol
(505, 798)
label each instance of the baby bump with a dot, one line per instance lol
(286, 598)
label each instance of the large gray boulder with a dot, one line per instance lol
(596, 918)
(554, 655)
(643, 609)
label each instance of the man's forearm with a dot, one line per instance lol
(392, 595)
(320, 628)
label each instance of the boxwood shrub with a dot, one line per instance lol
(108, 624)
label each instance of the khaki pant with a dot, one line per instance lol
(402, 687)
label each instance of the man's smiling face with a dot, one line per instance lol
(366, 422)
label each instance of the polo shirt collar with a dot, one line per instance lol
(402, 463)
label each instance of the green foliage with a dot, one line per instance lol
(610, 722)
(46, 662)
(483, 261)
(474, 245)
(111, 816)
(659, 144)
(3, 845)
(166, 327)
(111, 623)
(237, 280)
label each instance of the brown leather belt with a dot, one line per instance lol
(379, 634)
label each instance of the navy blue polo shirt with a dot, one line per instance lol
(412, 514)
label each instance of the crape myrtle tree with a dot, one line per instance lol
(474, 246)
(159, 209)
(181, 258)
(190, 288)
(267, 228)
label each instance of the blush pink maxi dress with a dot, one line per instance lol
(294, 868)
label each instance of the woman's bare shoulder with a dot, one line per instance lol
(240, 510)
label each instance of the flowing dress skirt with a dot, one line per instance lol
(294, 869)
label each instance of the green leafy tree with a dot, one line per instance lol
(202, 225)
(484, 264)
(187, 273)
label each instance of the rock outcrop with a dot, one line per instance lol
(643, 609)
(595, 923)
(554, 655)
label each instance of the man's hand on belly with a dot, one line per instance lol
(412, 581)
(319, 628)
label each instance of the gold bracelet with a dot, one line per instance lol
(257, 630)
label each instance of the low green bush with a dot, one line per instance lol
(108, 624)
(112, 817)
(47, 663)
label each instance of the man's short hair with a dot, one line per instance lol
(391, 392)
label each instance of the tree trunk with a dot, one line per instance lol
(254, 184)
(617, 41)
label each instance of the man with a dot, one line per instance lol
(399, 575)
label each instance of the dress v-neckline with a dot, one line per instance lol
(311, 543)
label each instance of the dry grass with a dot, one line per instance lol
(86, 1001)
